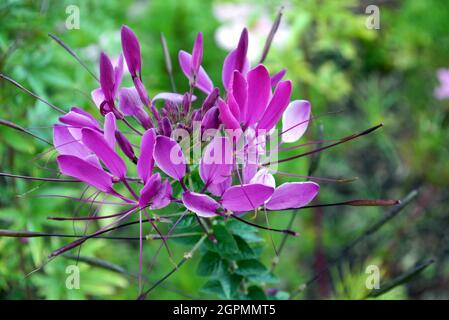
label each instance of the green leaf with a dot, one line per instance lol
(256, 293)
(225, 244)
(250, 267)
(225, 287)
(210, 264)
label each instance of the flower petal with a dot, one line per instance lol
(203, 82)
(145, 163)
(263, 176)
(277, 77)
(75, 167)
(129, 101)
(170, 96)
(65, 143)
(201, 204)
(292, 195)
(150, 190)
(197, 53)
(236, 60)
(96, 143)
(239, 90)
(131, 50)
(110, 126)
(169, 157)
(217, 189)
(246, 197)
(107, 77)
(259, 92)
(79, 118)
(211, 119)
(295, 120)
(164, 196)
(216, 163)
(226, 116)
(277, 106)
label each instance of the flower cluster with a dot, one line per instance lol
(243, 119)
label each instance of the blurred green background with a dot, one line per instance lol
(354, 76)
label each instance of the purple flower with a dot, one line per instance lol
(442, 92)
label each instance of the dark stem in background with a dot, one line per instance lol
(18, 85)
(186, 257)
(21, 129)
(73, 54)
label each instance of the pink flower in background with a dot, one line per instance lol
(442, 92)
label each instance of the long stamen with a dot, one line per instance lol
(21, 129)
(353, 203)
(346, 139)
(16, 176)
(285, 231)
(73, 54)
(18, 85)
(80, 241)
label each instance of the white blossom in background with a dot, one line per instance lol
(234, 17)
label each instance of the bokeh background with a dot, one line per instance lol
(354, 76)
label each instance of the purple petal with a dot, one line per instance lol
(86, 172)
(145, 163)
(295, 120)
(98, 97)
(118, 74)
(216, 163)
(125, 145)
(217, 189)
(246, 197)
(236, 60)
(263, 176)
(259, 92)
(79, 118)
(65, 143)
(292, 195)
(239, 89)
(131, 50)
(211, 119)
(226, 116)
(233, 106)
(96, 143)
(197, 53)
(203, 82)
(150, 190)
(110, 126)
(173, 97)
(129, 101)
(277, 105)
(277, 77)
(164, 196)
(211, 100)
(107, 77)
(169, 157)
(201, 204)
(250, 170)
